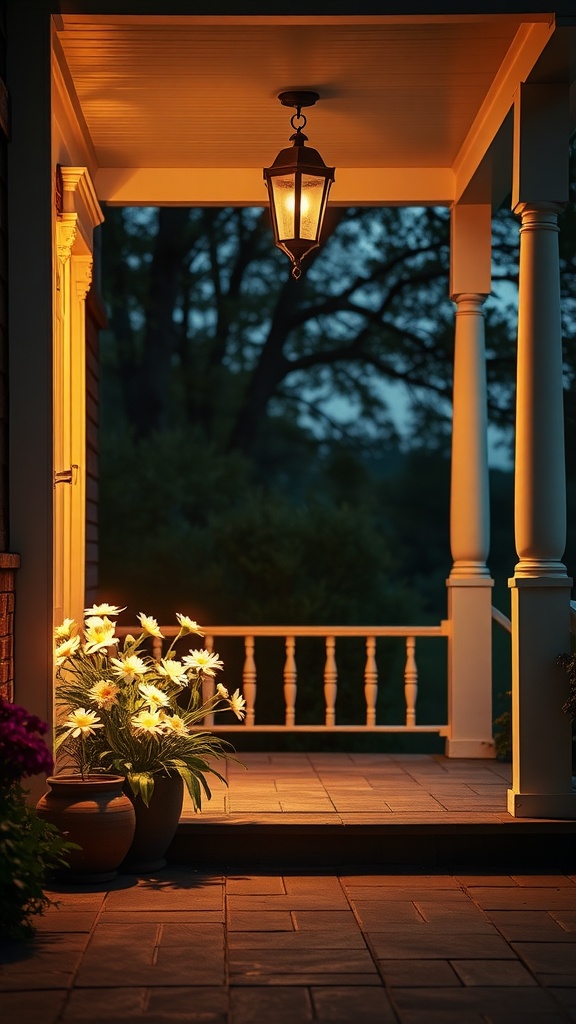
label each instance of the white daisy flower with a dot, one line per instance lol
(104, 693)
(174, 723)
(237, 704)
(188, 625)
(99, 633)
(150, 625)
(82, 723)
(205, 661)
(148, 721)
(173, 670)
(128, 667)
(65, 630)
(66, 649)
(154, 697)
(104, 609)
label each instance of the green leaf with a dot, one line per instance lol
(142, 785)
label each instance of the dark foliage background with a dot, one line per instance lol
(275, 451)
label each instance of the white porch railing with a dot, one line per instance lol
(330, 634)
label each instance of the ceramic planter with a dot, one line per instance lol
(95, 813)
(155, 825)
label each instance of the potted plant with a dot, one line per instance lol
(123, 712)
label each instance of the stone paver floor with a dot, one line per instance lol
(354, 949)
(345, 789)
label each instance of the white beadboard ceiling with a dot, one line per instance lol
(201, 92)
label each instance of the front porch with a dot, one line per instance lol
(77, 143)
(328, 811)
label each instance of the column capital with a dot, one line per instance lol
(82, 269)
(469, 302)
(542, 214)
(66, 227)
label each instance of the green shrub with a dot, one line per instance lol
(29, 849)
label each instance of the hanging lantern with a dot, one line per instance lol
(298, 184)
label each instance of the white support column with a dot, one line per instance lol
(542, 766)
(469, 584)
(81, 273)
(78, 212)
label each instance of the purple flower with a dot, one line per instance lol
(22, 751)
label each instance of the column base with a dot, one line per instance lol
(470, 748)
(470, 668)
(542, 805)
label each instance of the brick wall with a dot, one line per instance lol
(8, 565)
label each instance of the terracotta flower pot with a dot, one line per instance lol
(155, 825)
(95, 813)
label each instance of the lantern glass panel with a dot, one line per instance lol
(283, 187)
(311, 206)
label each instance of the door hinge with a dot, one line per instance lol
(66, 476)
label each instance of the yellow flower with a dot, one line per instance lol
(154, 697)
(82, 722)
(204, 661)
(174, 670)
(148, 721)
(175, 724)
(104, 693)
(150, 625)
(99, 633)
(104, 609)
(65, 631)
(66, 649)
(128, 667)
(237, 704)
(188, 625)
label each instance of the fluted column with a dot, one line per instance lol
(542, 763)
(540, 486)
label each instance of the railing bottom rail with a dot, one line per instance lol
(442, 730)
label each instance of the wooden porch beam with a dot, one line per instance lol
(244, 186)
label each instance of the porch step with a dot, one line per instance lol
(517, 845)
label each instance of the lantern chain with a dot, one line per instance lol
(298, 116)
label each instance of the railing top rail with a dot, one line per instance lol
(286, 631)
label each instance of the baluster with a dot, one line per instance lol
(249, 680)
(371, 680)
(411, 681)
(157, 648)
(290, 682)
(208, 683)
(330, 680)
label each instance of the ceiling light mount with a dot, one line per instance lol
(298, 98)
